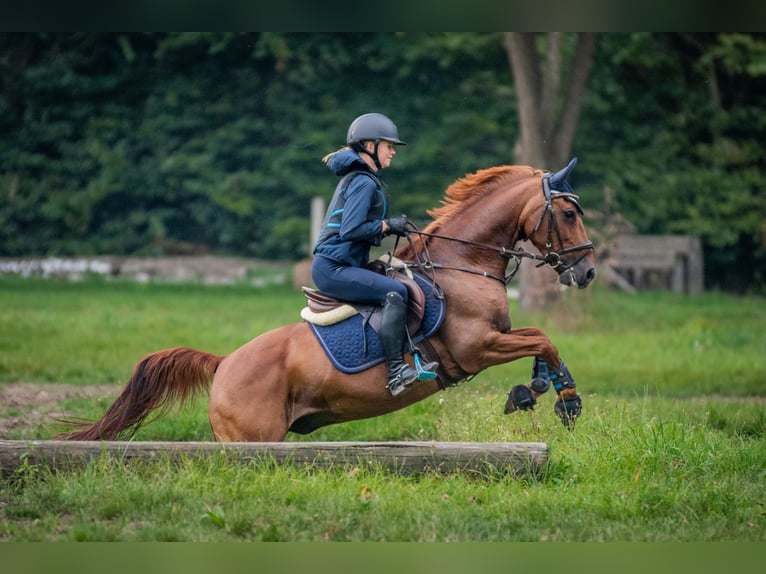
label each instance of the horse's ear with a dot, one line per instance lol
(561, 175)
(558, 180)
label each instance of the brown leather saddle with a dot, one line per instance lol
(325, 310)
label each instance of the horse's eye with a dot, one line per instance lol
(570, 214)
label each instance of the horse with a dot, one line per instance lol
(282, 381)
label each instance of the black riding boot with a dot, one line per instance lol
(392, 333)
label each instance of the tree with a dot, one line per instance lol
(152, 143)
(550, 89)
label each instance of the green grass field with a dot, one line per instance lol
(670, 446)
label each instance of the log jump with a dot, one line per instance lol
(517, 458)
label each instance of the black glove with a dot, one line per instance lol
(397, 225)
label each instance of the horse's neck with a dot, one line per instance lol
(494, 221)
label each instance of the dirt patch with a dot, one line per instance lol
(26, 405)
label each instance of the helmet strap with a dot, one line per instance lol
(373, 155)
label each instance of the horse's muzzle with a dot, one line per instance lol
(578, 275)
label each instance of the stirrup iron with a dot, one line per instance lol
(425, 372)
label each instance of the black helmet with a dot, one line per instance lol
(373, 127)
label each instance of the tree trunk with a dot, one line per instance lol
(549, 111)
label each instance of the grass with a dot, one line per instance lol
(94, 332)
(646, 470)
(670, 446)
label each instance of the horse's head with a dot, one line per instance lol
(559, 232)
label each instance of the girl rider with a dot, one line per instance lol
(356, 220)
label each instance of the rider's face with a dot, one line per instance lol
(386, 152)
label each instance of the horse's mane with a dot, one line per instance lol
(471, 186)
(463, 192)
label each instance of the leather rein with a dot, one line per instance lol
(551, 258)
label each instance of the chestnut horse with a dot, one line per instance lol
(283, 381)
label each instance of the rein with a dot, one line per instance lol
(551, 257)
(516, 255)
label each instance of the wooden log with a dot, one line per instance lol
(518, 458)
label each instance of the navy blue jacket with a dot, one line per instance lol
(354, 221)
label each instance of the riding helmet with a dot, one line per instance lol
(373, 127)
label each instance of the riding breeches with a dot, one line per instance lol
(353, 284)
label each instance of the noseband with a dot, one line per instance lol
(551, 257)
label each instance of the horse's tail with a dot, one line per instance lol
(158, 381)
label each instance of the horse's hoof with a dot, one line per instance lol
(520, 399)
(568, 410)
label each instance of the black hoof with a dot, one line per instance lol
(568, 410)
(520, 399)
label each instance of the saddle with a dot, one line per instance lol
(353, 343)
(324, 310)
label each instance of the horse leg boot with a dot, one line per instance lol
(392, 325)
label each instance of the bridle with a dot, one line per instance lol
(552, 258)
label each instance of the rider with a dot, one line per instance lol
(356, 220)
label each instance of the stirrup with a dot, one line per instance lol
(426, 372)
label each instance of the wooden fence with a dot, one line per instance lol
(672, 262)
(524, 458)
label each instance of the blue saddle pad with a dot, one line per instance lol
(354, 346)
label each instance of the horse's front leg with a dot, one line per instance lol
(500, 347)
(533, 342)
(526, 342)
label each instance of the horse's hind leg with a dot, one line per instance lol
(248, 399)
(235, 420)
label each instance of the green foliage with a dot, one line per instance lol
(157, 143)
(675, 123)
